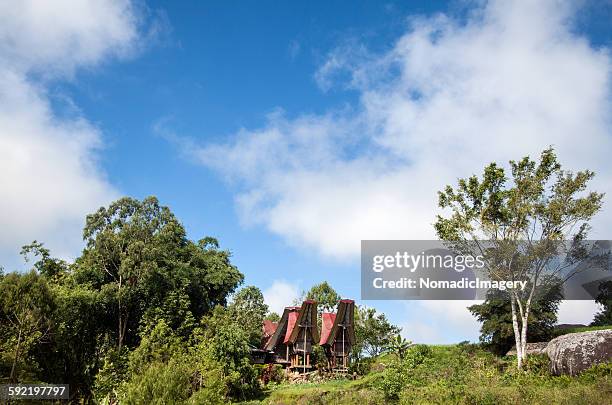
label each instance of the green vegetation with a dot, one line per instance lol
(461, 374)
(564, 331)
(146, 316)
(604, 298)
(326, 297)
(525, 218)
(495, 316)
(142, 316)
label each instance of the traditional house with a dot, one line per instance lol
(338, 335)
(259, 355)
(292, 340)
(302, 334)
(275, 344)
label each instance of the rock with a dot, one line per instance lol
(531, 348)
(575, 352)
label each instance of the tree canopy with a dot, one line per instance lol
(134, 307)
(524, 217)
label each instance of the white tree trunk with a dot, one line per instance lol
(517, 333)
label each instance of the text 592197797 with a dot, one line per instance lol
(34, 391)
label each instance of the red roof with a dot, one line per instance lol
(269, 327)
(327, 325)
(292, 318)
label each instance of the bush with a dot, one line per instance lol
(112, 374)
(159, 384)
(400, 373)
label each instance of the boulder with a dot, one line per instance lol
(530, 348)
(575, 352)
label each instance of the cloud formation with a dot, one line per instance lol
(48, 168)
(280, 295)
(448, 98)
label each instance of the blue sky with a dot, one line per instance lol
(292, 131)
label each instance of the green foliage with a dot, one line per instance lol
(400, 372)
(249, 310)
(46, 265)
(539, 203)
(399, 346)
(223, 342)
(272, 316)
(132, 317)
(138, 257)
(326, 297)
(160, 383)
(112, 374)
(577, 329)
(26, 306)
(604, 298)
(495, 314)
(158, 344)
(373, 332)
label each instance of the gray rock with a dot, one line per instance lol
(530, 348)
(575, 352)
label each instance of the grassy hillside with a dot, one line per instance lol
(462, 374)
(565, 331)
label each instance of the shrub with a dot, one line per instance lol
(158, 384)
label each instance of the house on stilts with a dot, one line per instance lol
(338, 335)
(291, 343)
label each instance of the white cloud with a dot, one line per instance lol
(58, 36)
(280, 294)
(48, 169)
(446, 100)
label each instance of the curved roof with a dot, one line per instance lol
(306, 318)
(344, 318)
(327, 324)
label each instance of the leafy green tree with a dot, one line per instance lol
(26, 305)
(399, 346)
(159, 343)
(495, 314)
(72, 354)
(223, 343)
(525, 222)
(373, 332)
(45, 265)
(326, 297)
(604, 298)
(272, 316)
(160, 383)
(249, 310)
(139, 259)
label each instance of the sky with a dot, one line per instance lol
(291, 131)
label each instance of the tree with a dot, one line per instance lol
(223, 345)
(138, 257)
(525, 223)
(249, 310)
(495, 314)
(604, 317)
(373, 332)
(26, 305)
(326, 297)
(272, 316)
(45, 265)
(399, 346)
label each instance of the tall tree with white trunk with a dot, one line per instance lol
(522, 224)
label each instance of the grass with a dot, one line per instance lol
(559, 332)
(460, 374)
